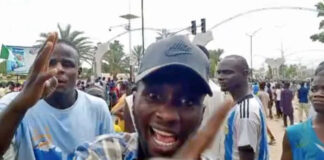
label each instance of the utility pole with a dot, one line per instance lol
(251, 48)
(142, 16)
(129, 17)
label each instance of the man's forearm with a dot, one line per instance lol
(9, 121)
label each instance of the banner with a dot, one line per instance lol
(18, 59)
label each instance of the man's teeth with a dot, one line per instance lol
(163, 143)
(162, 132)
(164, 138)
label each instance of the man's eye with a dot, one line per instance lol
(187, 102)
(68, 64)
(154, 96)
(227, 72)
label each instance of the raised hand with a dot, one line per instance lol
(41, 81)
(204, 137)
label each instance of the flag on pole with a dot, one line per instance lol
(4, 52)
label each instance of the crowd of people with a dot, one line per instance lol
(281, 96)
(173, 110)
(10, 86)
(109, 89)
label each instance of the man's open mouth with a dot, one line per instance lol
(163, 138)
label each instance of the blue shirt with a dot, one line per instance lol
(303, 95)
(47, 133)
(255, 89)
(304, 143)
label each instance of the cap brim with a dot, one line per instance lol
(157, 68)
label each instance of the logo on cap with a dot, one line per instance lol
(177, 49)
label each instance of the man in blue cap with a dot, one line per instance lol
(168, 104)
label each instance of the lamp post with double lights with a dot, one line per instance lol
(129, 17)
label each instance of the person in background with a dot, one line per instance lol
(302, 95)
(294, 88)
(277, 94)
(271, 97)
(305, 141)
(78, 85)
(113, 94)
(11, 87)
(265, 99)
(286, 104)
(96, 91)
(246, 129)
(2, 89)
(255, 88)
(118, 111)
(17, 87)
(49, 118)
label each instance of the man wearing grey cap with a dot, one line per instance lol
(168, 104)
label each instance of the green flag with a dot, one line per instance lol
(4, 52)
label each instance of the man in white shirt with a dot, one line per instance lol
(245, 132)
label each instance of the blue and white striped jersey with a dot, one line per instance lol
(246, 126)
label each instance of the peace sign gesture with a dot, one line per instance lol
(41, 81)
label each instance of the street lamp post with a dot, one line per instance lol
(142, 17)
(129, 17)
(251, 48)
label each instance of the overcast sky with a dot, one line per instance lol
(23, 20)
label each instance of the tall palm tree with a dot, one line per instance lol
(116, 60)
(138, 53)
(83, 44)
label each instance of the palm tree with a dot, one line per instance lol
(163, 34)
(138, 53)
(214, 58)
(82, 43)
(116, 60)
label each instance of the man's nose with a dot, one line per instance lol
(220, 76)
(59, 67)
(168, 114)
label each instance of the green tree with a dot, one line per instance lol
(288, 72)
(116, 60)
(269, 73)
(214, 58)
(163, 34)
(138, 53)
(82, 43)
(319, 36)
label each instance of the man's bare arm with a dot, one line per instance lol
(37, 86)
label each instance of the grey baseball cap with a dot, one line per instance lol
(175, 51)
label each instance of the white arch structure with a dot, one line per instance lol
(105, 46)
(266, 9)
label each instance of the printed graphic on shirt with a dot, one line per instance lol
(44, 148)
